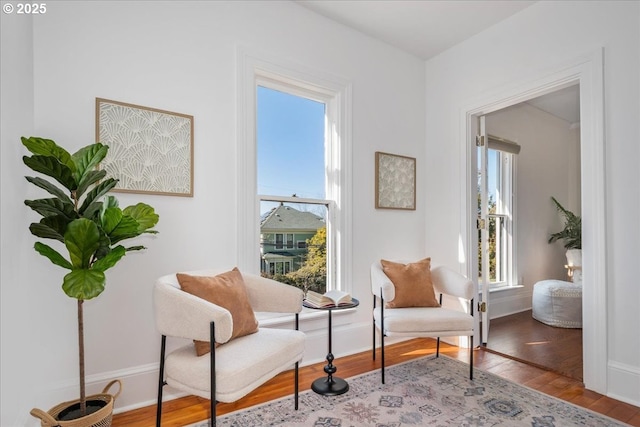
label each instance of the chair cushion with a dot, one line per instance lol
(424, 321)
(226, 290)
(241, 365)
(412, 283)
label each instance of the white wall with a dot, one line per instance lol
(548, 164)
(178, 56)
(16, 85)
(541, 38)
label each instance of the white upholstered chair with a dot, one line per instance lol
(422, 321)
(234, 369)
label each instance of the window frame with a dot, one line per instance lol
(259, 69)
(278, 244)
(505, 210)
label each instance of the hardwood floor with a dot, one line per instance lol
(522, 337)
(180, 412)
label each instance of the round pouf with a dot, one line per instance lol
(558, 303)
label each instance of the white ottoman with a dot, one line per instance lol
(558, 303)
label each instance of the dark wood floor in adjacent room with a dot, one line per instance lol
(523, 338)
(180, 412)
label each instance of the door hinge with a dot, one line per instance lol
(481, 224)
(482, 307)
(479, 140)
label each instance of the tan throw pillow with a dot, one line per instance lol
(412, 283)
(226, 290)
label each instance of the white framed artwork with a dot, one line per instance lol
(395, 181)
(150, 150)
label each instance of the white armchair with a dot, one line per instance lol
(239, 366)
(422, 321)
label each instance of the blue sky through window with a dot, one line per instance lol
(492, 164)
(290, 145)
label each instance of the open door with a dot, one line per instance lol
(482, 267)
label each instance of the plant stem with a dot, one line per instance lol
(83, 397)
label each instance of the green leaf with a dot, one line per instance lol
(110, 202)
(93, 210)
(82, 239)
(51, 207)
(53, 255)
(47, 147)
(51, 167)
(110, 259)
(92, 203)
(127, 228)
(87, 158)
(135, 248)
(57, 223)
(104, 245)
(52, 189)
(88, 179)
(572, 231)
(84, 284)
(49, 229)
(110, 219)
(144, 214)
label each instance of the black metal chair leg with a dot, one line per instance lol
(471, 344)
(382, 354)
(295, 387)
(471, 359)
(381, 334)
(438, 347)
(374, 329)
(212, 372)
(161, 383)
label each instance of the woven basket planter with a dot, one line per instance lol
(100, 418)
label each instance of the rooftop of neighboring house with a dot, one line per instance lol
(288, 218)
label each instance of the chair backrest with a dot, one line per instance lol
(450, 282)
(445, 280)
(181, 314)
(171, 279)
(171, 304)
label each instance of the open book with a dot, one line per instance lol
(328, 299)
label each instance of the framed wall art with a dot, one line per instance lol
(395, 181)
(150, 150)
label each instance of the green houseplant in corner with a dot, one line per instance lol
(571, 234)
(91, 226)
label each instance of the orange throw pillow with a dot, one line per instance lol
(412, 283)
(226, 290)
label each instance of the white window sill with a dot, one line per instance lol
(277, 319)
(505, 288)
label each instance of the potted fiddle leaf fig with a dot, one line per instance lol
(91, 226)
(571, 235)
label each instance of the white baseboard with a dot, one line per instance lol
(501, 305)
(624, 383)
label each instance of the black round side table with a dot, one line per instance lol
(331, 385)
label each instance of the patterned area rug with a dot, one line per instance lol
(424, 392)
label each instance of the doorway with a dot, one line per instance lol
(532, 153)
(587, 72)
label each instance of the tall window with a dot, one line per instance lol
(291, 180)
(501, 199)
(294, 172)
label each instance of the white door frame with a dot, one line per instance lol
(587, 71)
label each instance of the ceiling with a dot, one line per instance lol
(564, 103)
(425, 28)
(422, 28)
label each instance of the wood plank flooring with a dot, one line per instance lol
(180, 412)
(523, 338)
